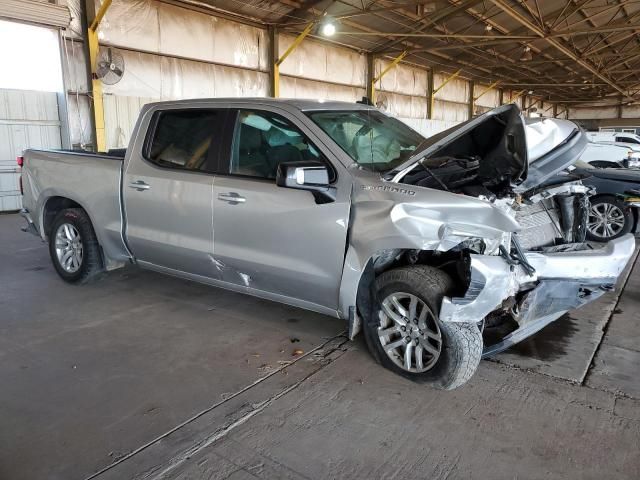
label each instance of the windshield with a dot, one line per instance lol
(372, 139)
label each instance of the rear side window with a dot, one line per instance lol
(186, 139)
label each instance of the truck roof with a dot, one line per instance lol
(300, 104)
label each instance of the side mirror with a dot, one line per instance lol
(309, 175)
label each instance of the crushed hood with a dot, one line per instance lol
(524, 154)
(553, 145)
(497, 137)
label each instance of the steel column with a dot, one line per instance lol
(275, 74)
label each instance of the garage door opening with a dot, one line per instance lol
(30, 59)
(30, 82)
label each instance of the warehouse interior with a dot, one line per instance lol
(144, 375)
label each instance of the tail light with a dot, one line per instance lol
(20, 160)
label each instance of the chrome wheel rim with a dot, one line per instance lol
(69, 248)
(605, 220)
(409, 333)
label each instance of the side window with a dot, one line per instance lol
(186, 139)
(263, 140)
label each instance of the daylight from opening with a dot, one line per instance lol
(30, 58)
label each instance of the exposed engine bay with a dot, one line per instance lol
(490, 161)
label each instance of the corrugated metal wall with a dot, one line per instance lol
(28, 119)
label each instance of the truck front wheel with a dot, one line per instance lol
(405, 335)
(74, 248)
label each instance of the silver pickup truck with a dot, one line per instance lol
(440, 250)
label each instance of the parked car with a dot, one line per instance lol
(615, 207)
(605, 155)
(340, 209)
(628, 139)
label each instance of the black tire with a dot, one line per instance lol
(461, 347)
(599, 234)
(91, 265)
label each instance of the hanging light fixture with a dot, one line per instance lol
(328, 29)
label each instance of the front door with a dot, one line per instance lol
(167, 191)
(274, 239)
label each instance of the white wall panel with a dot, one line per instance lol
(450, 112)
(156, 27)
(406, 106)
(428, 127)
(292, 87)
(79, 111)
(142, 76)
(132, 24)
(237, 44)
(455, 90)
(509, 95)
(489, 98)
(28, 119)
(593, 113)
(121, 114)
(73, 66)
(319, 61)
(401, 79)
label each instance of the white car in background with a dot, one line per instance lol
(605, 155)
(628, 139)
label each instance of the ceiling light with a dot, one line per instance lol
(526, 54)
(328, 29)
(488, 28)
(530, 92)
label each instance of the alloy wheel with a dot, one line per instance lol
(69, 248)
(409, 333)
(605, 220)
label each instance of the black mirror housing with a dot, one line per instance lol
(306, 175)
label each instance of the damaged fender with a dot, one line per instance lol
(385, 217)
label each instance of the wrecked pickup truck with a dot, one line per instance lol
(426, 245)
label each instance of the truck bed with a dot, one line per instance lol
(91, 180)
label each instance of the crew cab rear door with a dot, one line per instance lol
(167, 190)
(273, 239)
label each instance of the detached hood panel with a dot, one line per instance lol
(553, 145)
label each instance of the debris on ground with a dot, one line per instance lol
(297, 352)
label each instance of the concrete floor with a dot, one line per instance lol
(147, 376)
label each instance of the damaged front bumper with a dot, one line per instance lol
(562, 281)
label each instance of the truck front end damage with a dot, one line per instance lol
(542, 268)
(516, 303)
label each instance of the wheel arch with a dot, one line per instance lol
(356, 296)
(50, 209)
(53, 205)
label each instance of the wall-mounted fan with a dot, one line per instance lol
(110, 67)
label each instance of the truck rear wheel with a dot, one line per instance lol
(74, 248)
(405, 335)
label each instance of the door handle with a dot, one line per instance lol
(232, 198)
(140, 186)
